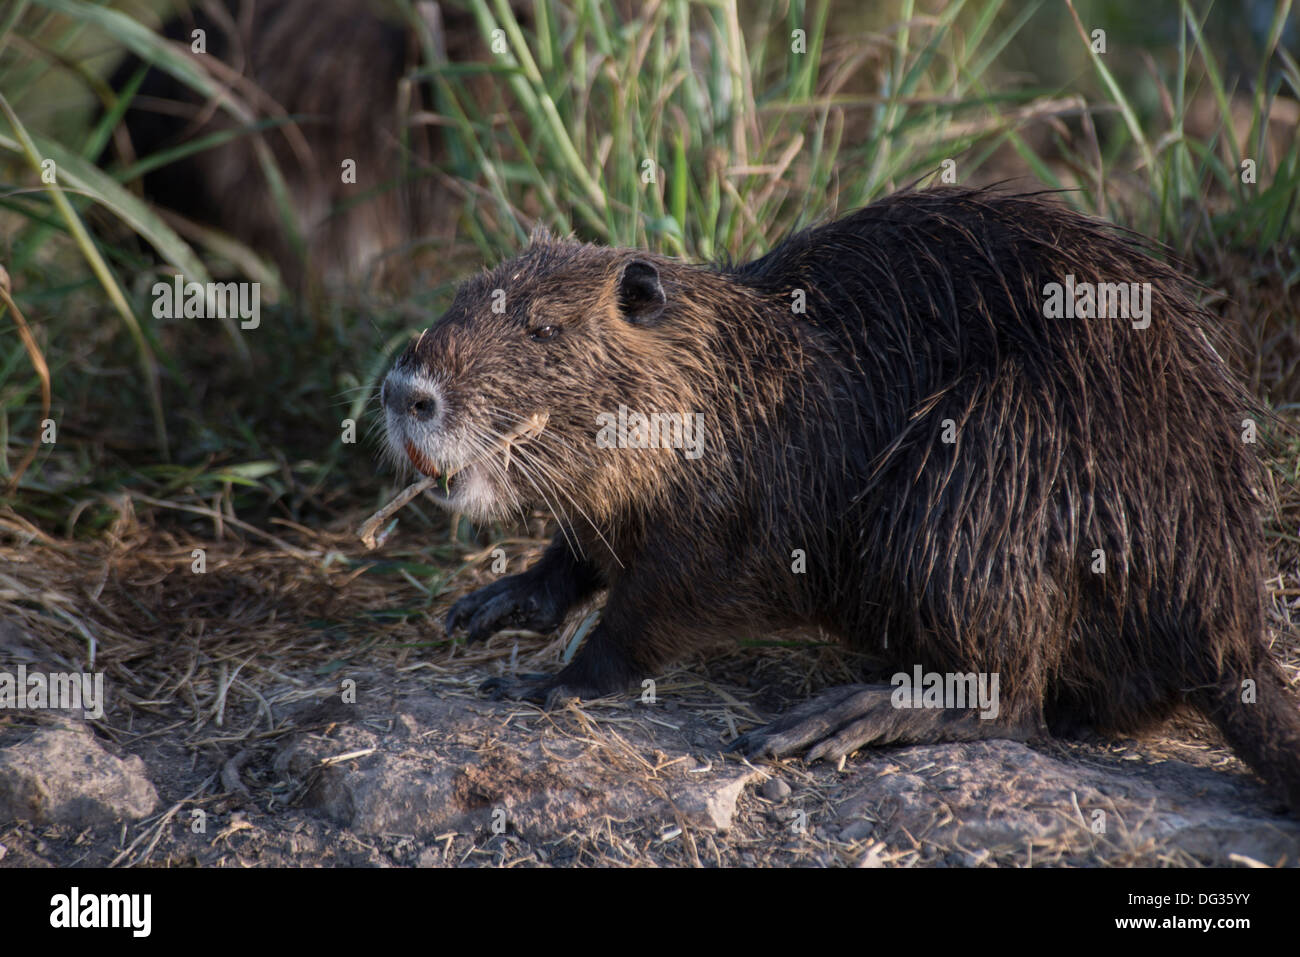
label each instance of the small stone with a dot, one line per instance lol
(430, 857)
(856, 831)
(774, 789)
(711, 802)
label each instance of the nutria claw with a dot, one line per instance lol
(841, 720)
(538, 689)
(814, 720)
(517, 601)
(525, 687)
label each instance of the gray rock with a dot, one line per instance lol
(856, 831)
(774, 789)
(1000, 795)
(449, 770)
(711, 801)
(62, 775)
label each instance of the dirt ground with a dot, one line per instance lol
(297, 704)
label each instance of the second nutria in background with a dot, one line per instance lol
(966, 431)
(323, 84)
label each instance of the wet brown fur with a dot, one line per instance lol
(822, 434)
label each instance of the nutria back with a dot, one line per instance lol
(964, 430)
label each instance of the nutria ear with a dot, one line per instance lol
(640, 294)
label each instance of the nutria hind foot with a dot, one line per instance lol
(843, 719)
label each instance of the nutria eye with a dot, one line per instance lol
(544, 332)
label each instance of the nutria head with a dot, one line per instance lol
(566, 334)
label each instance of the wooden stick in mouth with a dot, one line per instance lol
(531, 428)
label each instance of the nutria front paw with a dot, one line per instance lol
(517, 601)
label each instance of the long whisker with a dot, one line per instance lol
(498, 470)
(552, 502)
(528, 456)
(553, 506)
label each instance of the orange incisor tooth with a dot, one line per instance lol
(420, 460)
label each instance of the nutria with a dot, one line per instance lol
(908, 440)
(323, 84)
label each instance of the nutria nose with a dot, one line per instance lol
(403, 398)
